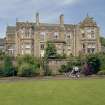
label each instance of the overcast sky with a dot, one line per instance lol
(74, 11)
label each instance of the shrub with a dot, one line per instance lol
(1, 71)
(101, 57)
(26, 70)
(101, 72)
(94, 61)
(87, 70)
(66, 68)
(27, 65)
(62, 69)
(28, 59)
(61, 56)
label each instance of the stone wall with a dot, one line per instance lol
(55, 65)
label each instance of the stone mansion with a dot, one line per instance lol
(31, 37)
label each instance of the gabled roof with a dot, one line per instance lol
(48, 26)
(88, 22)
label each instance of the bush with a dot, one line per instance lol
(1, 71)
(27, 66)
(26, 70)
(101, 73)
(66, 68)
(59, 56)
(62, 69)
(101, 57)
(94, 62)
(87, 70)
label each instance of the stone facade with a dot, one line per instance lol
(30, 38)
(10, 42)
(1, 44)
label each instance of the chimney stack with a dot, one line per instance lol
(61, 20)
(37, 19)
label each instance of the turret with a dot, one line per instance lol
(61, 20)
(37, 19)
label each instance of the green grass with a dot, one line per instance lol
(53, 92)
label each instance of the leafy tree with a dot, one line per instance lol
(102, 39)
(50, 51)
(8, 66)
(101, 57)
(1, 55)
(94, 62)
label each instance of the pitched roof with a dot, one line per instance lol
(88, 21)
(48, 26)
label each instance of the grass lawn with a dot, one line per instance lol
(53, 92)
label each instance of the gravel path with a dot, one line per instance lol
(60, 77)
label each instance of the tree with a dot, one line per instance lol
(94, 62)
(8, 66)
(2, 54)
(50, 51)
(101, 57)
(102, 39)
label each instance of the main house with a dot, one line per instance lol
(31, 37)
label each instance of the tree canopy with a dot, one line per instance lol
(102, 39)
(50, 51)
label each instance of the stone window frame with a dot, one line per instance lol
(56, 35)
(42, 34)
(42, 46)
(68, 39)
